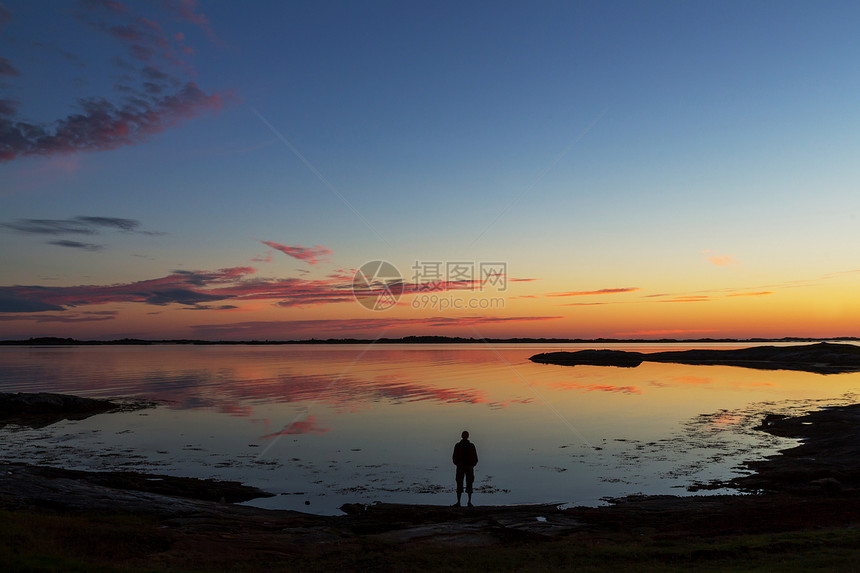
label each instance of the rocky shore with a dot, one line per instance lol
(41, 409)
(188, 523)
(822, 358)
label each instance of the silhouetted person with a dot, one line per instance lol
(465, 458)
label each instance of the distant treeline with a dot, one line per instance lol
(56, 341)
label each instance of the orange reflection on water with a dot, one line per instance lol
(595, 387)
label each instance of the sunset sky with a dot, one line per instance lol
(221, 170)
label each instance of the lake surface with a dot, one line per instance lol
(322, 425)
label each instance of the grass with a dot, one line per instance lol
(43, 541)
(37, 541)
(831, 550)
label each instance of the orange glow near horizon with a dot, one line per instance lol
(823, 309)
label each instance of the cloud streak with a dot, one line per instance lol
(83, 225)
(76, 245)
(595, 292)
(64, 318)
(311, 255)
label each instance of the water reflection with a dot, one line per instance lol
(330, 424)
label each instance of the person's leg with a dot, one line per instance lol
(470, 479)
(460, 475)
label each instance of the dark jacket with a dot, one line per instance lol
(465, 454)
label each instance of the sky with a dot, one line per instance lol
(295, 170)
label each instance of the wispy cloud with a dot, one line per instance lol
(198, 289)
(187, 10)
(102, 125)
(181, 287)
(721, 260)
(153, 97)
(595, 292)
(83, 225)
(76, 245)
(760, 293)
(98, 316)
(12, 302)
(267, 258)
(717, 259)
(311, 255)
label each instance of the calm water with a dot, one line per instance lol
(324, 425)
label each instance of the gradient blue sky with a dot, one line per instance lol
(627, 152)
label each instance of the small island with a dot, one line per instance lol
(821, 358)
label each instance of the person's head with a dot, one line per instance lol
(465, 435)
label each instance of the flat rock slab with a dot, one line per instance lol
(480, 525)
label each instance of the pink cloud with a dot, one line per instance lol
(187, 10)
(267, 258)
(690, 298)
(596, 292)
(198, 289)
(311, 255)
(153, 101)
(103, 126)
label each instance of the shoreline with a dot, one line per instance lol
(58, 341)
(160, 521)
